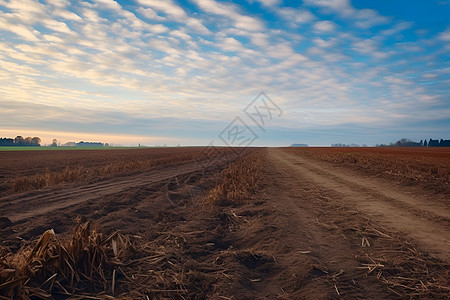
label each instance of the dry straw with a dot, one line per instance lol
(239, 181)
(84, 264)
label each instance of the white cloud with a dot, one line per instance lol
(429, 75)
(181, 34)
(150, 14)
(324, 26)
(59, 3)
(445, 36)
(410, 47)
(92, 16)
(363, 18)
(296, 16)
(370, 47)
(325, 43)
(328, 56)
(25, 6)
(197, 25)
(233, 45)
(175, 13)
(397, 28)
(270, 3)
(68, 15)
(53, 39)
(111, 4)
(27, 11)
(366, 18)
(232, 12)
(284, 50)
(134, 23)
(168, 7)
(259, 39)
(57, 26)
(23, 31)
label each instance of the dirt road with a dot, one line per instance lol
(345, 222)
(424, 221)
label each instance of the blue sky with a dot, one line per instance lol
(179, 72)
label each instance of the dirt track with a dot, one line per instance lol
(421, 219)
(48, 200)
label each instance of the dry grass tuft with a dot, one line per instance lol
(83, 265)
(408, 272)
(79, 173)
(239, 181)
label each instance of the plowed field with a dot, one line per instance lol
(269, 223)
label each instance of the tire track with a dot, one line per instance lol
(380, 202)
(19, 207)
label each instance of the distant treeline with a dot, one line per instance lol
(36, 142)
(20, 141)
(348, 145)
(422, 143)
(55, 143)
(89, 144)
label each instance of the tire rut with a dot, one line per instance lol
(381, 203)
(19, 207)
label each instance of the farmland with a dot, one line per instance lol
(286, 223)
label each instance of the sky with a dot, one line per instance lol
(192, 72)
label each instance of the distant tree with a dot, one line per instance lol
(28, 141)
(425, 144)
(18, 140)
(6, 142)
(54, 143)
(36, 141)
(433, 143)
(407, 143)
(421, 143)
(337, 145)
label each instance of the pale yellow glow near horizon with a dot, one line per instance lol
(64, 137)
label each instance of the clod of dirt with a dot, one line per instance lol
(254, 260)
(316, 272)
(33, 232)
(5, 223)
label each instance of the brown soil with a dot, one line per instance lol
(275, 224)
(31, 170)
(349, 221)
(427, 167)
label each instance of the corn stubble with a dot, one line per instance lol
(83, 264)
(89, 265)
(239, 181)
(70, 174)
